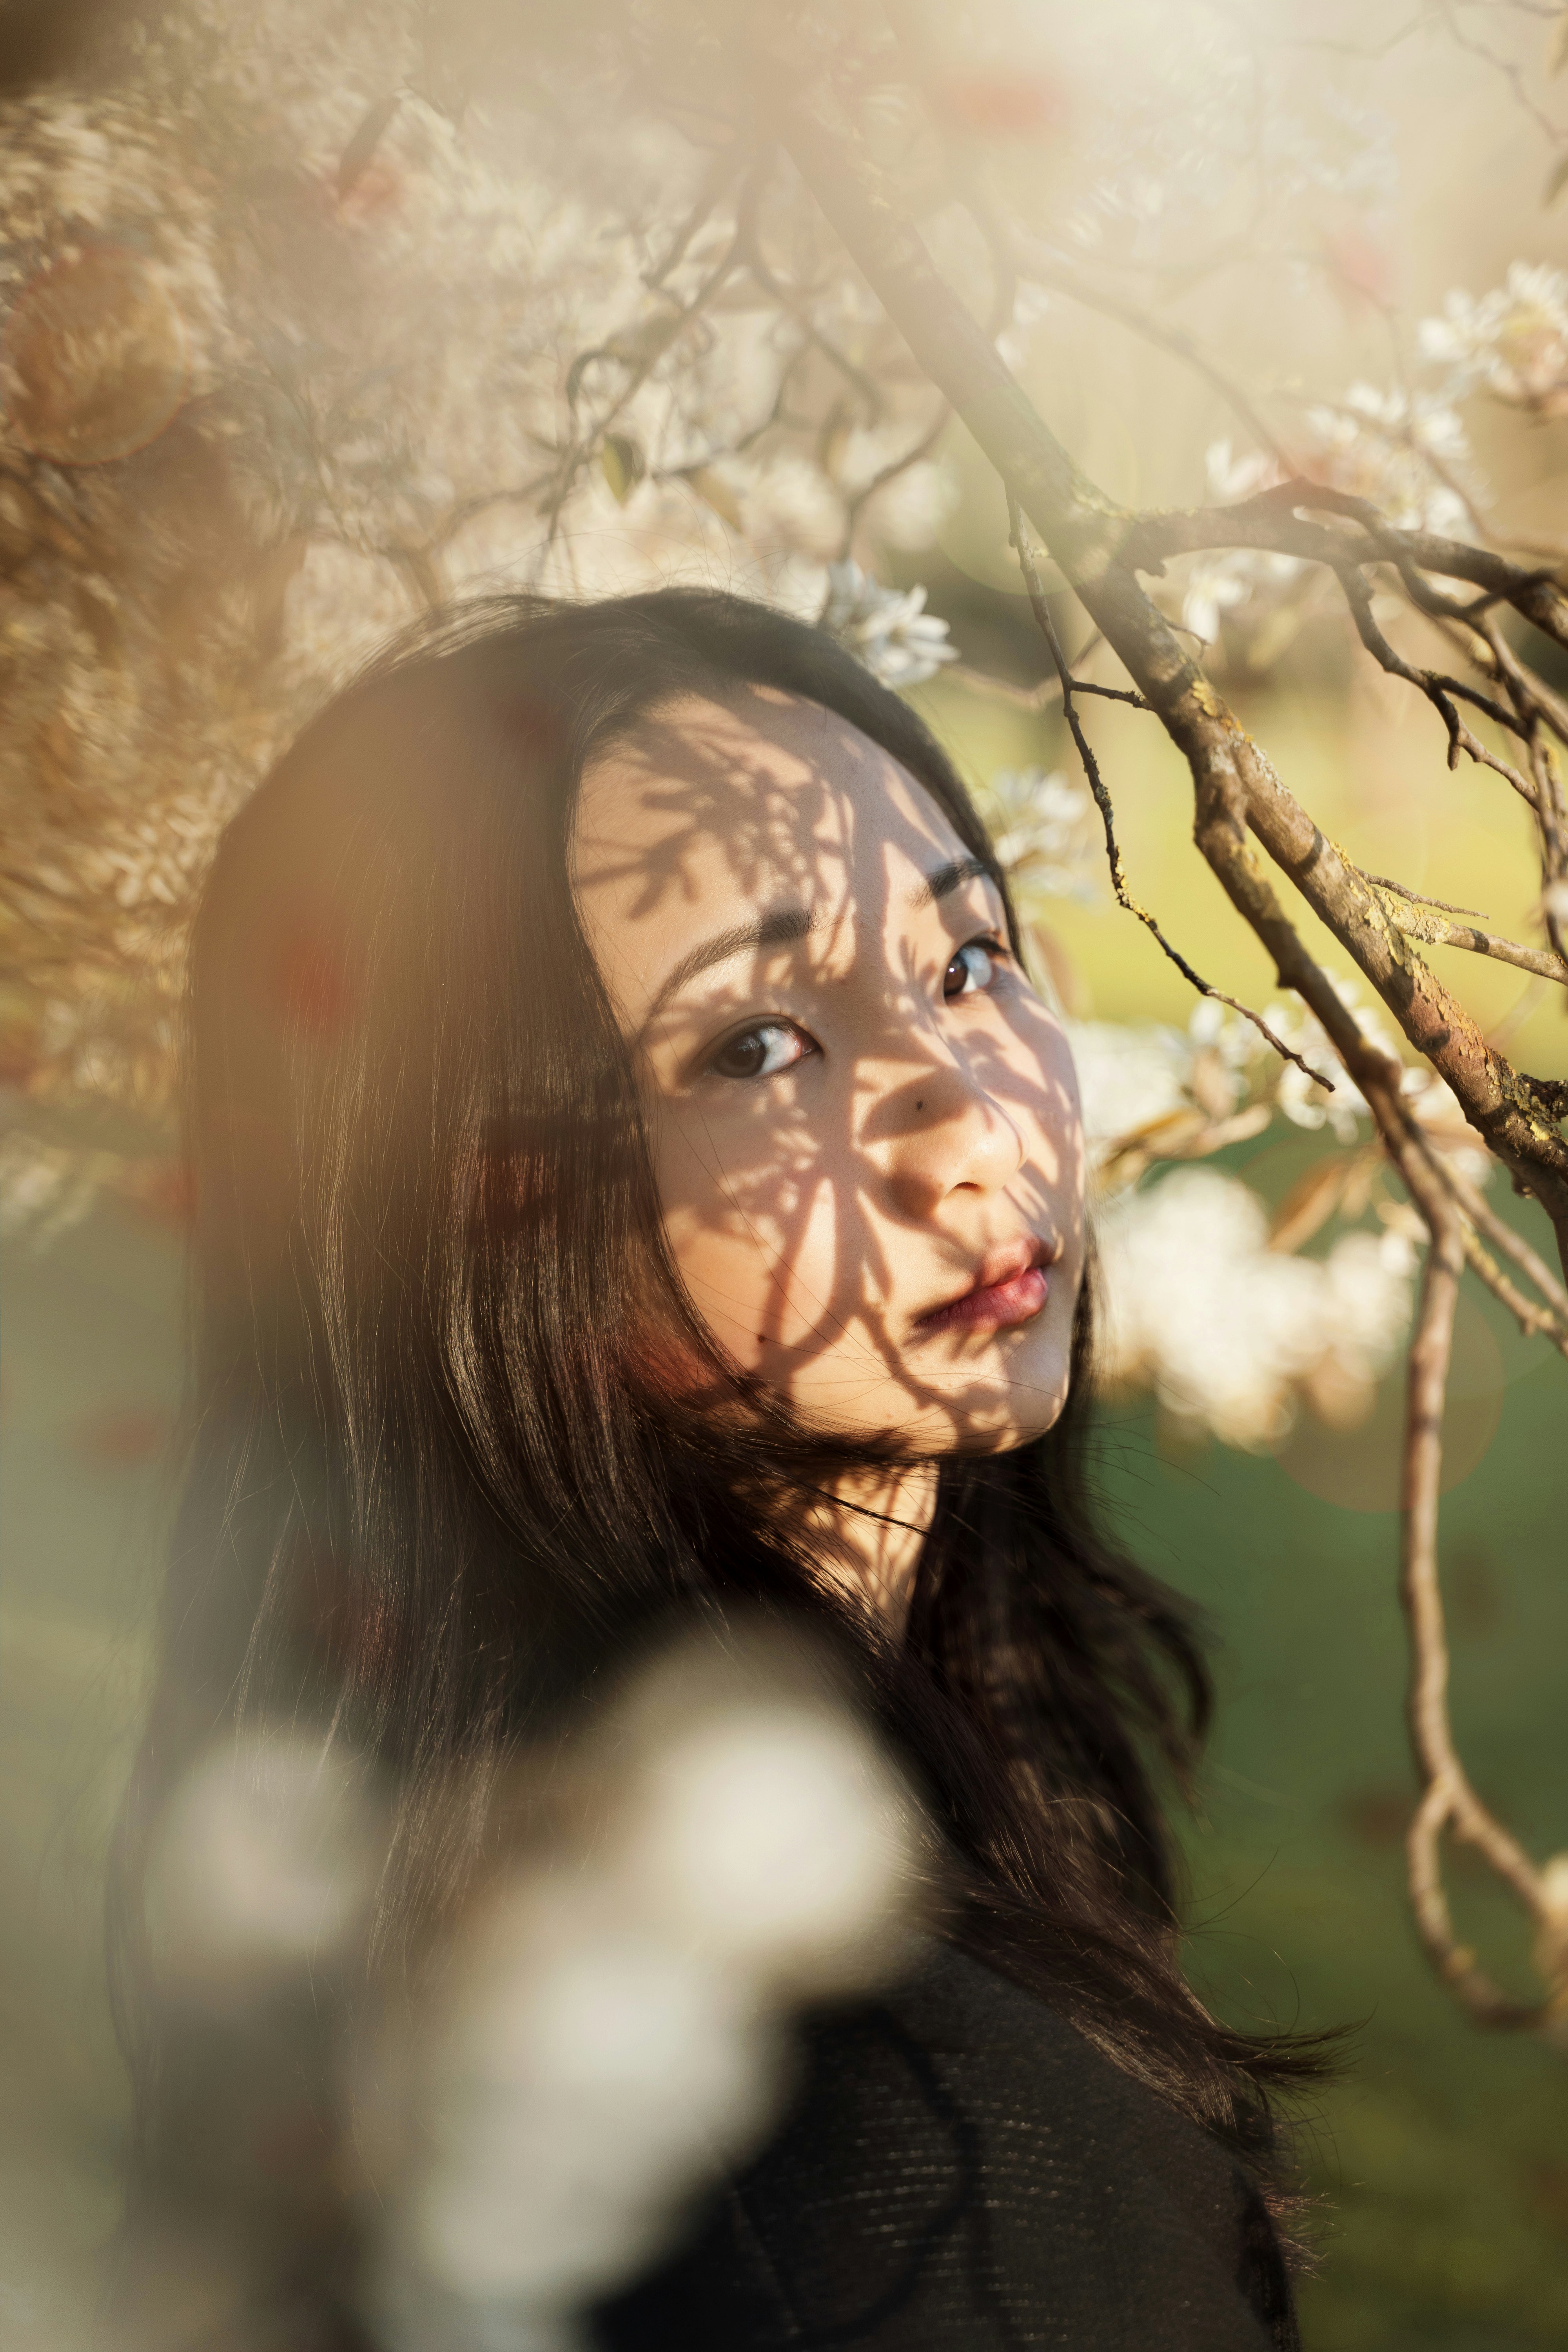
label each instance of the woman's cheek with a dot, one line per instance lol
(755, 1221)
(725, 1257)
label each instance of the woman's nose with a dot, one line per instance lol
(944, 1132)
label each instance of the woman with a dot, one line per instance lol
(635, 1177)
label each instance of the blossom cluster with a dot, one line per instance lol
(1406, 450)
(1407, 453)
(1230, 1332)
(1232, 1314)
(1513, 341)
(891, 632)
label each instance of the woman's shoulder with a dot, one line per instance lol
(962, 2170)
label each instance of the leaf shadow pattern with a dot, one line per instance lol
(868, 1183)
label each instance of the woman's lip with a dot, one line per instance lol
(1018, 1293)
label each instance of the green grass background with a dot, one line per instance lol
(1441, 2154)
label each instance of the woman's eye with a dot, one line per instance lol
(972, 968)
(760, 1052)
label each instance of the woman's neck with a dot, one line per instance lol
(872, 1524)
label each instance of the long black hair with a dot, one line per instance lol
(440, 1475)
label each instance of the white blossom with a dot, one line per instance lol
(365, 412)
(1407, 453)
(1225, 1329)
(1231, 474)
(1223, 582)
(1303, 1102)
(1046, 831)
(1514, 340)
(1394, 448)
(467, 365)
(889, 628)
(1218, 1029)
(1129, 1077)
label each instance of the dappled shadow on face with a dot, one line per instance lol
(859, 1109)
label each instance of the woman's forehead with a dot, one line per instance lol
(742, 797)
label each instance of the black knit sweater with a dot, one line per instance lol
(961, 2172)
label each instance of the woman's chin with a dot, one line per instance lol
(971, 1415)
(1004, 1427)
(998, 1399)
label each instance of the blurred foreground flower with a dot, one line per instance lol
(265, 1861)
(611, 2031)
(473, 2147)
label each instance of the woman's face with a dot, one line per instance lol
(865, 1123)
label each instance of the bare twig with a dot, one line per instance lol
(1418, 898)
(891, 472)
(1070, 686)
(723, 167)
(1537, 1322)
(1014, 255)
(793, 299)
(1448, 1800)
(1479, 1213)
(1441, 691)
(1278, 521)
(1506, 67)
(1002, 689)
(1096, 545)
(1043, 267)
(1043, 696)
(1418, 920)
(636, 371)
(1531, 692)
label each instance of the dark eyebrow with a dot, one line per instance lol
(951, 877)
(782, 928)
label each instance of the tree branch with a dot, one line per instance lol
(1239, 801)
